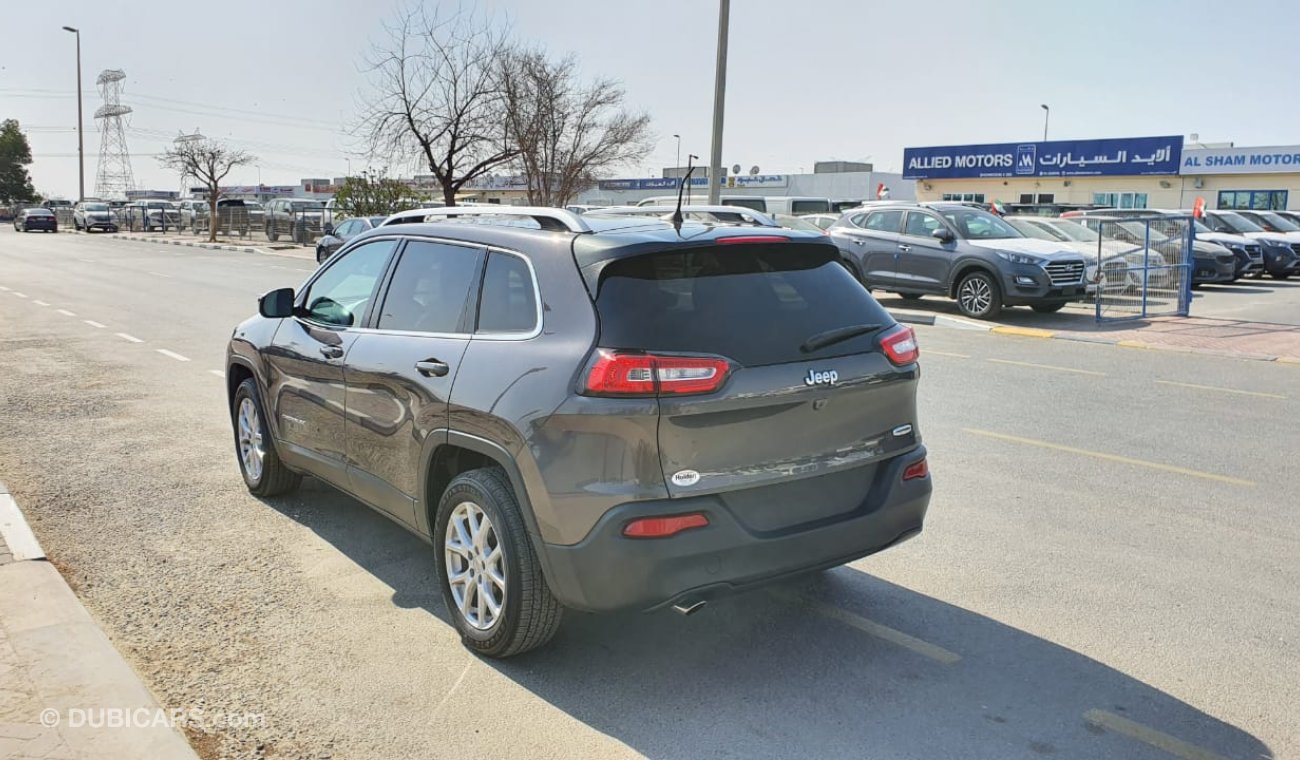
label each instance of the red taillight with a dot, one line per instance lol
(752, 239)
(615, 373)
(899, 344)
(916, 470)
(663, 527)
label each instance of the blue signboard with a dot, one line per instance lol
(1128, 156)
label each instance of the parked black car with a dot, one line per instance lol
(958, 251)
(36, 218)
(600, 413)
(336, 237)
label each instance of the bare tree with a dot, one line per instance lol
(208, 161)
(437, 95)
(566, 132)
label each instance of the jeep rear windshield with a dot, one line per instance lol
(754, 303)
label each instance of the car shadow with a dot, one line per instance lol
(801, 669)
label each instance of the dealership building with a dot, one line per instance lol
(1134, 172)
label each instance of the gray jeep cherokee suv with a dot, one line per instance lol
(955, 250)
(597, 413)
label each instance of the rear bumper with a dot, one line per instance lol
(607, 571)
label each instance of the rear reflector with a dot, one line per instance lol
(663, 527)
(616, 373)
(899, 344)
(752, 239)
(916, 470)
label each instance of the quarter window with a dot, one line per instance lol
(341, 294)
(508, 302)
(430, 288)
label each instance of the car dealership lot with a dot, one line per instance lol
(1117, 581)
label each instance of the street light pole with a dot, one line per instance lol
(1046, 113)
(719, 101)
(678, 163)
(81, 142)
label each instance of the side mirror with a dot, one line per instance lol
(276, 304)
(943, 234)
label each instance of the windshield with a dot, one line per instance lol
(1278, 223)
(159, 204)
(307, 205)
(1237, 223)
(1029, 229)
(95, 207)
(1138, 231)
(1200, 228)
(974, 224)
(1075, 231)
(795, 223)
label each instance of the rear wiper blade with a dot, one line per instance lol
(837, 335)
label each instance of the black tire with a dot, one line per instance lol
(1047, 308)
(1279, 275)
(275, 478)
(910, 296)
(530, 615)
(271, 234)
(992, 299)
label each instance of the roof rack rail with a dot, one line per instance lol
(555, 219)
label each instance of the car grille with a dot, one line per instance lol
(1253, 251)
(1065, 273)
(1295, 247)
(1116, 274)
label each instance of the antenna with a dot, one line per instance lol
(114, 176)
(690, 169)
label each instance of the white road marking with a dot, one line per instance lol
(39, 303)
(172, 355)
(93, 323)
(216, 372)
(932, 352)
(159, 274)
(89, 261)
(20, 295)
(4, 288)
(1221, 390)
(1048, 366)
(67, 313)
(131, 338)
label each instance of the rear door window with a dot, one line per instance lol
(753, 303)
(884, 221)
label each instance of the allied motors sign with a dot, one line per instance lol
(1127, 156)
(1265, 160)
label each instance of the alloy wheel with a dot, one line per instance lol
(476, 567)
(975, 295)
(251, 448)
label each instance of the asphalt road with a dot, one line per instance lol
(1109, 568)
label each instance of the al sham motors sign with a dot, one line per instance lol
(1128, 156)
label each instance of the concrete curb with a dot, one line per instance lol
(209, 246)
(939, 320)
(73, 669)
(14, 530)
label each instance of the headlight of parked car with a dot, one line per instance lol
(1020, 258)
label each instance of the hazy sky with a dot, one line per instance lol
(810, 80)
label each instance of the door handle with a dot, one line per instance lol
(904, 248)
(859, 242)
(331, 352)
(432, 368)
